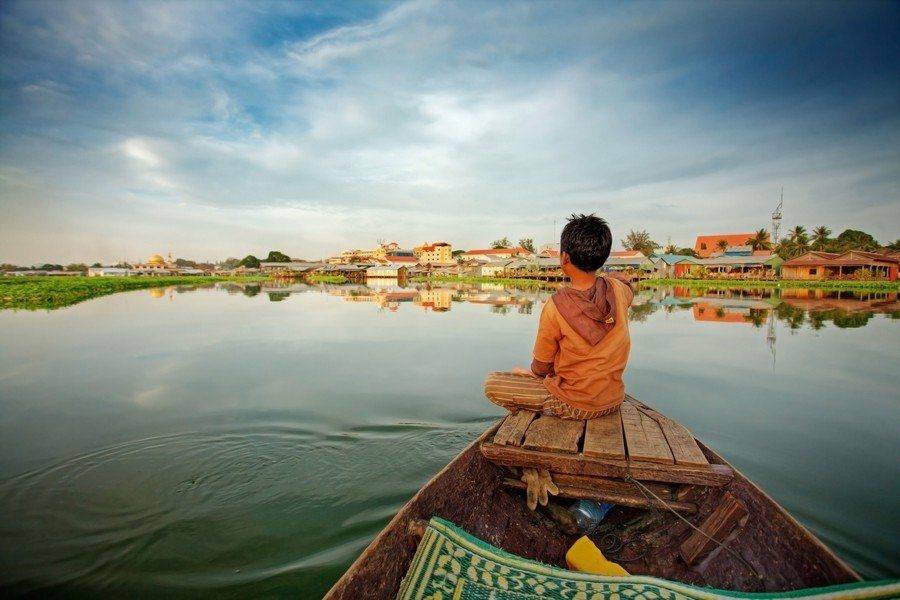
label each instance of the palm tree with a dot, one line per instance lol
(527, 243)
(820, 236)
(760, 240)
(670, 248)
(722, 245)
(798, 235)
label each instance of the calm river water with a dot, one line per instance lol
(249, 441)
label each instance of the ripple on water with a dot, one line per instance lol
(210, 512)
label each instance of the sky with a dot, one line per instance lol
(211, 130)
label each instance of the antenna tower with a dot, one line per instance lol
(776, 218)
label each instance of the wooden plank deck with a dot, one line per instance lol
(512, 430)
(644, 437)
(637, 440)
(603, 437)
(553, 434)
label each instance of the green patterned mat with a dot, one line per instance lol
(450, 564)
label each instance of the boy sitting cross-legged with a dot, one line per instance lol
(582, 341)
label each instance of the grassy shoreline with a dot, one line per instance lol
(863, 286)
(36, 293)
(327, 279)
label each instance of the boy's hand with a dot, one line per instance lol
(521, 371)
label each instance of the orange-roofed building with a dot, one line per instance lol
(706, 245)
(831, 265)
(627, 254)
(401, 259)
(496, 253)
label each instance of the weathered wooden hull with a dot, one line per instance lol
(470, 493)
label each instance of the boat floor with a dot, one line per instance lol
(470, 493)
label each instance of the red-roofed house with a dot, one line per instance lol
(627, 254)
(496, 253)
(402, 259)
(829, 265)
(709, 244)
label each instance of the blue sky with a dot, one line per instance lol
(220, 129)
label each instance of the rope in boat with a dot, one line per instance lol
(645, 491)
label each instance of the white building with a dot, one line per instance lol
(108, 272)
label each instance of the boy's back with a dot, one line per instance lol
(586, 339)
(582, 344)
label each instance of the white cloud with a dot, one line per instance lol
(139, 150)
(429, 120)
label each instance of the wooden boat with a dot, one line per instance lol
(768, 551)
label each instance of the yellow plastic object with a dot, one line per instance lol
(586, 557)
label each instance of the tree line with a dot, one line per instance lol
(249, 261)
(798, 241)
(527, 243)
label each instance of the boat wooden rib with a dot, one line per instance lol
(480, 492)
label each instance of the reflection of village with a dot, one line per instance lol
(748, 306)
(498, 298)
(761, 308)
(389, 295)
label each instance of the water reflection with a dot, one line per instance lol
(249, 439)
(793, 307)
(760, 308)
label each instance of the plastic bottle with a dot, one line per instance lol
(589, 513)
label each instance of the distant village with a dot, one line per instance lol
(852, 255)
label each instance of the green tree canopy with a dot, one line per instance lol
(230, 263)
(185, 263)
(820, 237)
(760, 240)
(276, 256)
(77, 267)
(853, 239)
(798, 235)
(527, 243)
(96, 264)
(501, 243)
(250, 261)
(640, 241)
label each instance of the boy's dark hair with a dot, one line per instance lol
(587, 240)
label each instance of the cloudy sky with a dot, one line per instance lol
(215, 130)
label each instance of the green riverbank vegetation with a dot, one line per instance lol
(321, 278)
(36, 293)
(824, 284)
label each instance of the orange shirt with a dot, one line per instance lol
(585, 376)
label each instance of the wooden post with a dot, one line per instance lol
(718, 525)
